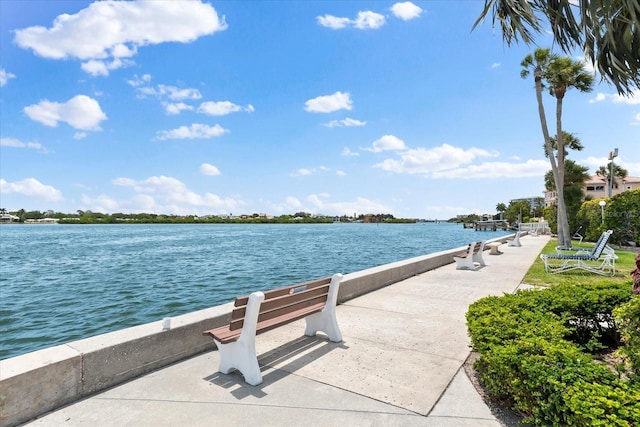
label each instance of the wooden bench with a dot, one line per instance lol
(472, 255)
(315, 301)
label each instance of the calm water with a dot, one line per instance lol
(60, 283)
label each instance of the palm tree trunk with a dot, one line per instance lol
(564, 237)
(558, 173)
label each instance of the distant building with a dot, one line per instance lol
(596, 187)
(7, 218)
(534, 202)
(42, 221)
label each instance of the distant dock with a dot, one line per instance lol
(490, 225)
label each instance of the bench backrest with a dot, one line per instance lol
(282, 301)
(476, 247)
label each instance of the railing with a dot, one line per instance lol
(535, 227)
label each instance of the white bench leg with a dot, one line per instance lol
(466, 262)
(477, 257)
(326, 321)
(241, 354)
(516, 241)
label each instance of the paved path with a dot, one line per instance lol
(400, 364)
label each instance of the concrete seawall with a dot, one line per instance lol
(38, 382)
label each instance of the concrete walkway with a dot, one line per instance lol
(400, 364)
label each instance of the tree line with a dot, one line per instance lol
(90, 217)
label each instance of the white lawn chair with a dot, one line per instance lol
(600, 260)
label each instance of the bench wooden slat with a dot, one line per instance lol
(239, 312)
(476, 248)
(281, 307)
(225, 335)
(274, 293)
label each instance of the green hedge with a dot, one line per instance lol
(535, 354)
(628, 318)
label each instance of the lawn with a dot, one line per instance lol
(538, 277)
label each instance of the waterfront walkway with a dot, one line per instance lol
(400, 364)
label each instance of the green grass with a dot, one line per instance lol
(538, 277)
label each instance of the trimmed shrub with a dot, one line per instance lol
(605, 405)
(628, 318)
(533, 347)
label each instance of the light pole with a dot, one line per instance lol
(612, 155)
(602, 204)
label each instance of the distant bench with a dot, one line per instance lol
(468, 258)
(315, 301)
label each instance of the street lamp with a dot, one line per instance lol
(612, 155)
(602, 203)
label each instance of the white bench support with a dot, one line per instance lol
(515, 241)
(469, 259)
(326, 321)
(241, 354)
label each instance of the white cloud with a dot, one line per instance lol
(495, 65)
(588, 65)
(329, 103)
(310, 171)
(368, 20)
(406, 10)
(365, 20)
(176, 108)
(105, 32)
(171, 92)
(101, 68)
(530, 168)
(196, 130)
(80, 112)
(79, 135)
(347, 122)
(169, 195)
(636, 120)
(387, 143)
(632, 99)
(333, 22)
(428, 161)
(341, 173)
(5, 77)
(319, 203)
(594, 164)
(207, 169)
(302, 172)
(348, 153)
(16, 143)
(222, 108)
(31, 187)
(139, 81)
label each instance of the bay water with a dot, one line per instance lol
(60, 283)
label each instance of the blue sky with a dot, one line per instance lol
(327, 107)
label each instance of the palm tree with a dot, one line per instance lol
(569, 140)
(501, 208)
(606, 31)
(558, 74)
(575, 176)
(619, 172)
